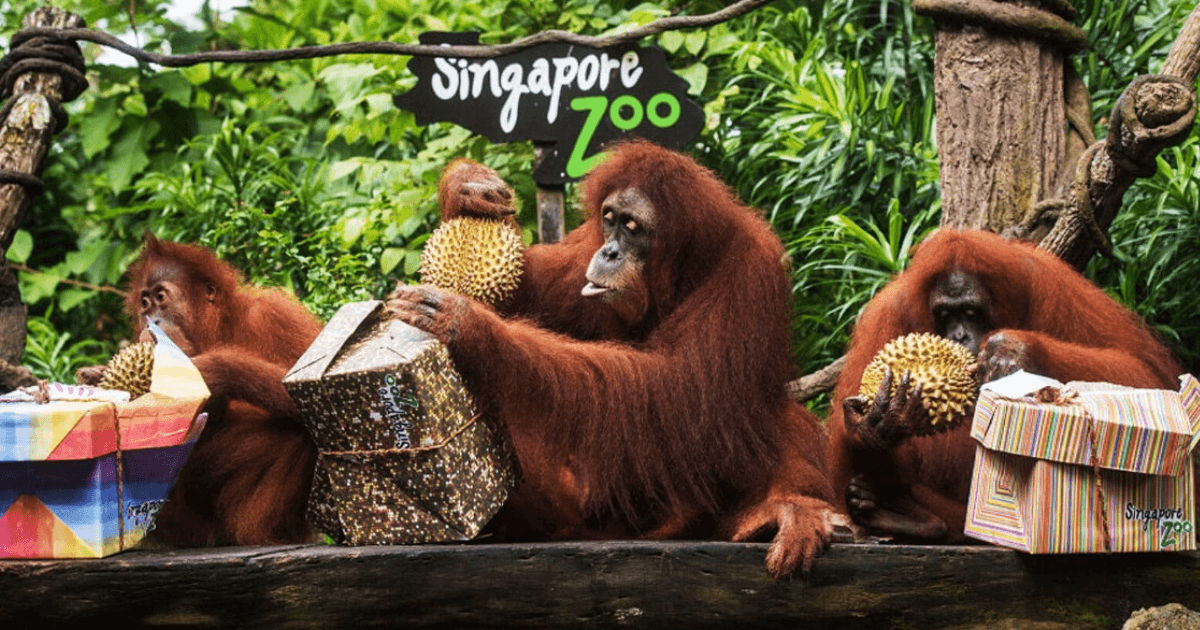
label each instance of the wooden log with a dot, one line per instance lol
(551, 205)
(1000, 117)
(25, 135)
(612, 584)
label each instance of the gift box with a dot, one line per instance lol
(1102, 468)
(403, 455)
(83, 475)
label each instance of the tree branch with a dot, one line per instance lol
(77, 283)
(812, 385)
(674, 22)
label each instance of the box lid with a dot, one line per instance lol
(81, 422)
(337, 351)
(1147, 431)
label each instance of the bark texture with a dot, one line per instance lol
(27, 126)
(1000, 125)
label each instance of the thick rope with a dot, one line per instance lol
(1047, 25)
(49, 55)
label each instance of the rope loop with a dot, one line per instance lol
(31, 53)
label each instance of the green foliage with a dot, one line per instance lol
(846, 264)
(53, 356)
(1154, 266)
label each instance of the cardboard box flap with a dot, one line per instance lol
(173, 373)
(1189, 393)
(341, 347)
(80, 422)
(1137, 430)
(390, 342)
(324, 349)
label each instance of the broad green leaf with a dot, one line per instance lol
(21, 248)
(352, 228)
(97, 127)
(391, 257)
(129, 155)
(70, 298)
(412, 263)
(135, 105)
(697, 77)
(173, 85)
(343, 168)
(671, 41)
(79, 262)
(197, 74)
(300, 96)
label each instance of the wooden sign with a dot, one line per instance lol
(573, 99)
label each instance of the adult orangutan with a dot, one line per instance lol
(641, 367)
(247, 479)
(1013, 305)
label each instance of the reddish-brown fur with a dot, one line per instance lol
(666, 420)
(247, 479)
(1071, 328)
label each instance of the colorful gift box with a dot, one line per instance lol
(403, 457)
(83, 475)
(1049, 476)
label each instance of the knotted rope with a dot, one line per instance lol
(48, 54)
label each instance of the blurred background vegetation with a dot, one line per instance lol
(304, 175)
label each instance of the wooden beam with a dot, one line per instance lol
(627, 584)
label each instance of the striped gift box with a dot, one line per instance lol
(1048, 477)
(71, 486)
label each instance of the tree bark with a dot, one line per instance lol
(25, 135)
(1154, 112)
(1001, 119)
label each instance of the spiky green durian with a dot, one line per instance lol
(129, 370)
(479, 258)
(948, 389)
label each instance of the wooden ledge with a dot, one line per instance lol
(621, 584)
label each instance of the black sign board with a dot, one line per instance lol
(572, 99)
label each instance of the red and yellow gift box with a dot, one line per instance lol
(83, 475)
(1101, 468)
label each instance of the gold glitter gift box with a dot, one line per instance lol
(404, 458)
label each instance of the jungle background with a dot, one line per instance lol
(304, 175)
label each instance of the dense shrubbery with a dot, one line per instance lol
(304, 175)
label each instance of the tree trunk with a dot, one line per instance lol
(1001, 114)
(25, 133)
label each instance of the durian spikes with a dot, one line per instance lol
(948, 389)
(479, 258)
(129, 370)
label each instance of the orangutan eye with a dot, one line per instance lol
(608, 216)
(631, 225)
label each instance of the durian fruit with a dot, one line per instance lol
(948, 390)
(129, 370)
(479, 258)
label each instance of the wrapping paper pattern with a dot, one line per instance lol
(403, 457)
(59, 461)
(1034, 488)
